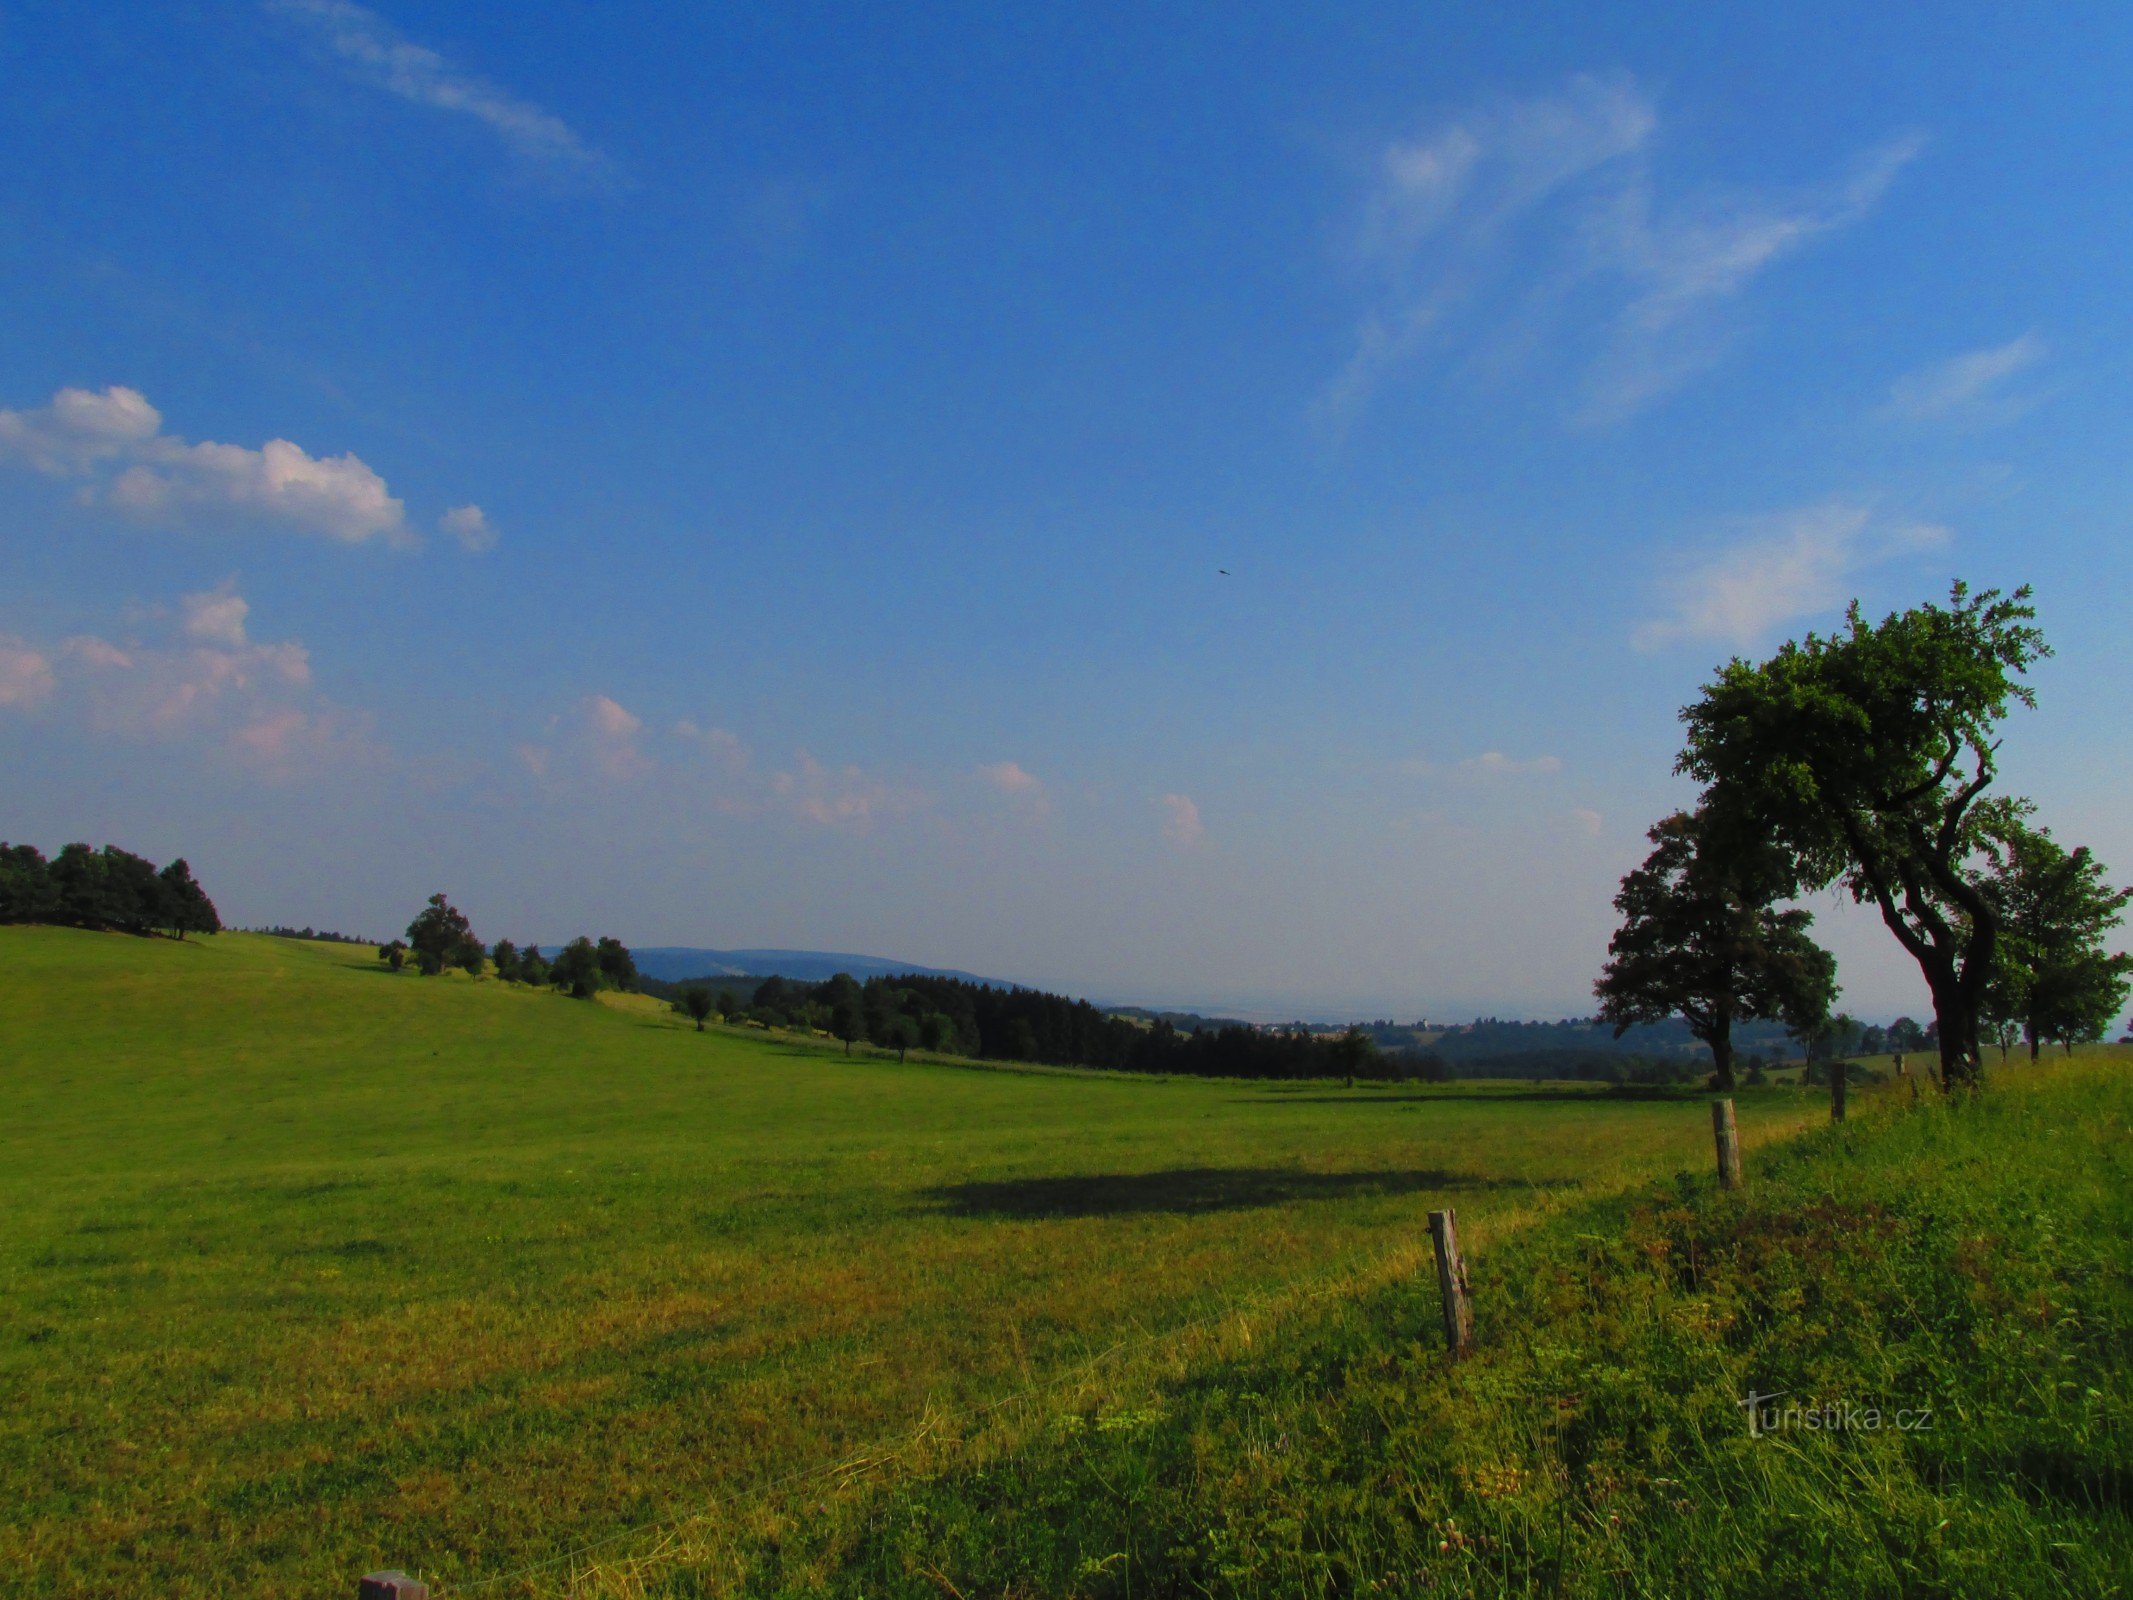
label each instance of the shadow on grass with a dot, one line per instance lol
(1508, 1096)
(1191, 1190)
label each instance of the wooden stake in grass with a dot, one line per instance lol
(391, 1585)
(1451, 1281)
(1728, 1137)
(1838, 1072)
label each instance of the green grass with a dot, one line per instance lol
(1948, 1282)
(310, 1268)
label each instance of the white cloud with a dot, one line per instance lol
(613, 731)
(114, 440)
(378, 54)
(207, 686)
(1791, 565)
(1010, 777)
(1476, 231)
(1587, 821)
(470, 525)
(78, 429)
(726, 748)
(1686, 264)
(26, 676)
(217, 616)
(1966, 383)
(846, 798)
(1181, 821)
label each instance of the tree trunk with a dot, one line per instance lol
(1721, 1043)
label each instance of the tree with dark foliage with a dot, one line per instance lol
(2053, 978)
(696, 1003)
(1701, 939)
(1864, 756)
(440, 937)
(576, 969)
(110, 890)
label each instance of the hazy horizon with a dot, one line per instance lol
(1220, 507)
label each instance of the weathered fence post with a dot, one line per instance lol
(1451, 1279)
(1838, 1072)
(391, 1585)
(1728, 1138)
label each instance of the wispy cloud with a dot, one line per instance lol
(1795, 564)
(114, 442)
(471, 527)
(204, 683)
(1181, 821)
(1489, 223)
(1971, 384)
(376, 53)
(1489, 764)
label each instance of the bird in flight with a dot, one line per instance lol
(1223, 570)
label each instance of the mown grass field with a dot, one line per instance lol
(310, 1268)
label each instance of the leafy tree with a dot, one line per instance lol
(532, 965)
(1864, 756)
(2052, 976)
(27, 893)
(937, 1032)
(185, 907)
(576, 969)
(900, 1033)
(848, 1019)
(1355, 1054)
(394, 955)
(696, 1003)
(505, 955)
(617, 967)
(1700, 938)
(1905, 1036)
(440, 937)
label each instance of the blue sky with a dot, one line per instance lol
(762, 476)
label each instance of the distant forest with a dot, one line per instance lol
(111, 890)
(953, 1016)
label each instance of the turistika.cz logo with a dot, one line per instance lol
(1828, 1416)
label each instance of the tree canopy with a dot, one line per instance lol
(2053, 977)
(1701, 938)
(108, 889)
(1864, 756)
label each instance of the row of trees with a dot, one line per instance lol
(441, 937)
(109, 889)
(1863, 760)
(955, 1016)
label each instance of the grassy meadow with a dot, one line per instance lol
(311, 1268)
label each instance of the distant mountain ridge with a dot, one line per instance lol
(671, 963)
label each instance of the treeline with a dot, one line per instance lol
(111, 890)
(316, 935)
(442, 938)
(956, 1017)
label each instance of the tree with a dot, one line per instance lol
(27, 893)
(440, 937)
(1701, 939)
(937, 1032)
(848, 1020)
(185, 907)
(696, 1003)
(2052, 974)
(900, 1032)
(617, 966)
(394, 955)
(532, 966)
(576, 969)
(1864, 756)
(1355, 1054)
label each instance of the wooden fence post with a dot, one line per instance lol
(391, 1585)
(1451, 1280)
(1728, 1139)
(1838, 1072)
